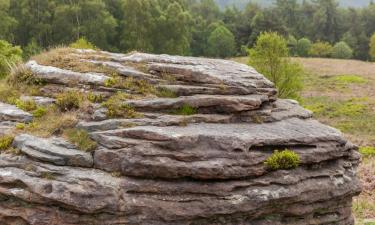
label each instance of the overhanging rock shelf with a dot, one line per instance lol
(205, 167)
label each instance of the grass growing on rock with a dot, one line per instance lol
(5, 142)
(185, 110)
(81, 139)
(69, 100)
(117, 107)
(283, 160)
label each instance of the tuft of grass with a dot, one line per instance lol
(27, 105)
(20, 74)
(69, 100)
(83, 43)
(185, 110)
(81, 139)
(137, 86)
(47, 175)
(117, 108)
(283, 160)
(6, 142)
(95, 98)
(367, 152)
(53, 122)
(20, 126)
(163, 92)
(39, 112)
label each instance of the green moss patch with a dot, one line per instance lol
(283, 160)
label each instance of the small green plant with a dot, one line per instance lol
(165, 93)
(111, 82)
(69, 101)
(350, 79)
(39, 112)
(48, 175)
(95, 98)
(26, 105)
(367, 151)
(117, 108)
(283, 160)
(20, 126)
(81, 139)
(82, 43)
(185, 110)
(6, 142)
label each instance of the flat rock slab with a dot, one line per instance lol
(61, 76)
(53, 150)
(205, 103)
(14, 114)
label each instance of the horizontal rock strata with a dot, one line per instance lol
(171, 167)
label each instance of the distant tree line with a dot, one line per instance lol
(189, 27)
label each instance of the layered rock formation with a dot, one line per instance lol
(170, 167)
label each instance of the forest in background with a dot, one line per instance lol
(187, 27)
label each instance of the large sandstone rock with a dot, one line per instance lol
(169, 169)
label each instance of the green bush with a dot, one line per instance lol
(95, 98)
(283, 160)
(81, 139)
(270, 57)
(292, 45)
(341, 50)
(321, 49)
(82, 43)
(303, 47)
(31, 49)
(69, 100)
(5, 142)
(9, 56)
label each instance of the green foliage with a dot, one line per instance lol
(95, 98)
(9, 56)
(82, 43)
(372, 47)
(270, 57)
(117, 107)
(69, 100)
(367, 151)
(81, 139)
(31, 49)
(39, 112)
(221, 43)
(20, 126)
(27, 105)
(292, 45)
(349, 79)
(185, 110)
(5, 142)
(303, 47)
(283, 160)
(341, 50)
(321, 49)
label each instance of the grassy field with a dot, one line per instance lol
(341, 93)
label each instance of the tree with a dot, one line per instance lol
(174, 26)
(9, 55)
(270, 57)
(7, 22)
(325, 21)
(303, 47)
(372, 47)
(341, 50)
(221, 43)
(321, 49)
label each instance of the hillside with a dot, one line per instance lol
(242, 3)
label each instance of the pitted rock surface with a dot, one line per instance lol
(167, 168)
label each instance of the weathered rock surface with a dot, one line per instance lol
(12, 113)
(169, 169)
